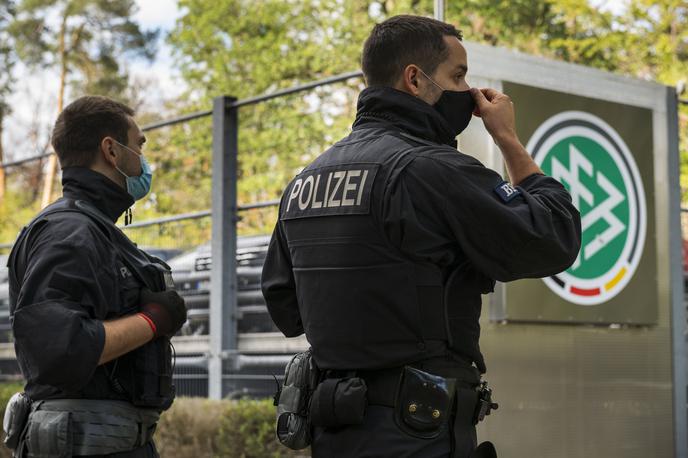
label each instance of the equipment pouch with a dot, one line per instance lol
(49, 434)
(423, 403)
(292, 401)
(148, 381)
(339, 402)
(16, 413)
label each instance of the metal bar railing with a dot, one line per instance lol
(295, 89)
(6, 165)
(196, 215)
(177, 120)
(267, 203)
(169, 219)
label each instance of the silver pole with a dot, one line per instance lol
(223, 330)
(439, 10)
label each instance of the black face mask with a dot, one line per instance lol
(456, 107)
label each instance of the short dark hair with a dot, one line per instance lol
(403, 40)
(84, 123)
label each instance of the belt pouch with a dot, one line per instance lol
(300, 377)
(49, 434)
(423, 403)
(339, 402)
(16, 413)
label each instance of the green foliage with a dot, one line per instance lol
(228, 429)
(248, 431)
(7, 57)
(86, 44)
(16, 210)
(190, 428)
(267, 46)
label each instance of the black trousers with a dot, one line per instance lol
(379, 436)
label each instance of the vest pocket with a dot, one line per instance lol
(146, 375)
(153, 375)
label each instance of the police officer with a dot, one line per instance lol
(91, 313)
(386, 241)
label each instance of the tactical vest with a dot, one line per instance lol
(364, 303)
(144, 375)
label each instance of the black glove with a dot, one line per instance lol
(165, 311)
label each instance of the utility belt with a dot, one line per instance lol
(423, 403)
(58, 428)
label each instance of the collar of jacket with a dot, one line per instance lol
(81, 183)
(404, 112)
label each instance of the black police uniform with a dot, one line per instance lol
(383, 247)
(68, 275)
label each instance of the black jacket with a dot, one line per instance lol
(66, 277)
(396, 274)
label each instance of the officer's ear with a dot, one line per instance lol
(410, 80)
(107, 149)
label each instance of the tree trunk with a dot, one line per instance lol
(2, 159)
(52, 161)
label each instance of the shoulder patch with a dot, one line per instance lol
(334, 190)
(506, 191)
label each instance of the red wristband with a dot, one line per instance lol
(149, 321)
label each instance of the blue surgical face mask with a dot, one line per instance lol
(138, 186)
